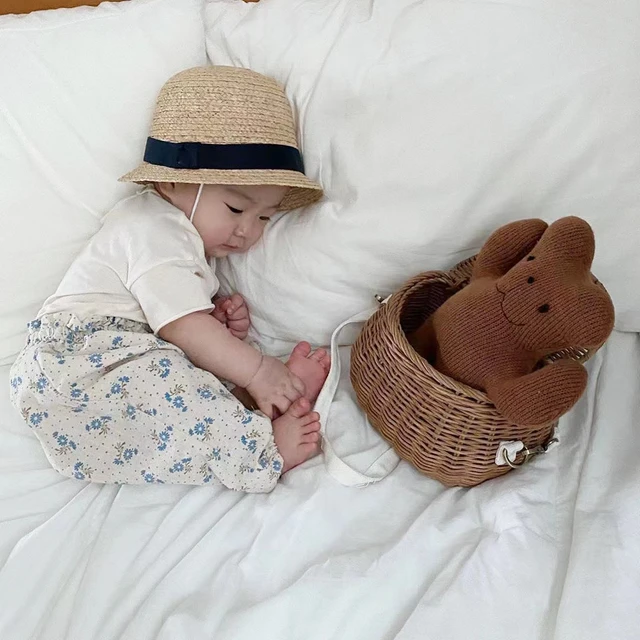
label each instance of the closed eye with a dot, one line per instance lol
(265, 218)
(233, 209)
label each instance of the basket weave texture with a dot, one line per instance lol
(447, 430)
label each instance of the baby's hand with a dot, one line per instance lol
(274, 385)
(233, 312)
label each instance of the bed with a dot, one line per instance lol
(429, 124)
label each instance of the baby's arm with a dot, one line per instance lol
(209, 345)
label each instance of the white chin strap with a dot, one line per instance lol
(195, 204)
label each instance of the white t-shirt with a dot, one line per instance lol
(146, 263)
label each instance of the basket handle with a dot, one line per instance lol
(336, 467)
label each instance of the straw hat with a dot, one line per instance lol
(225, 125)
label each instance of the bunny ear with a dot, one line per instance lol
(569, 240)
(507, 246)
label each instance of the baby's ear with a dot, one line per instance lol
(569, 240)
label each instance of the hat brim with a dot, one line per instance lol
(303, 191)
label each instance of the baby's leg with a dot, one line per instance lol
(130, 409)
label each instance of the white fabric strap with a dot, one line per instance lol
(336, 467)
(195, 204)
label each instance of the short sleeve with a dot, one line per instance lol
(172, 290)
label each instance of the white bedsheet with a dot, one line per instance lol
(551, 551)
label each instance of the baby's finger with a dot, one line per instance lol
(283, 403)
(239, 325)
(237, 300)
(239, 313)
(219, 315)
(266, 408)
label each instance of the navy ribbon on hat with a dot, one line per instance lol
(200, 155)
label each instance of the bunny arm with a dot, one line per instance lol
(507, 246)
(542, 396)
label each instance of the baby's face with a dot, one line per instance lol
(230, 219)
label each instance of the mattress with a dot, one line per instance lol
(550, 551)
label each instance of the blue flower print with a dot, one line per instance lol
(124, 454)
(78, 394)
(39, 385)
(99, 424)
(249, 441)
(277, 466)
(174, 398)
(244, 415)
(35, 419)
(162, 368)
(182, 466)
(16, 382)
(201, 429)
(65, 444)
(162, 438)
(205, 470)
(96, 360)
(80, 472)
(151, 478)
(74, 338)
(206, 392)
(34, 325)
(119, 388)
(131, 412)
(117, 342)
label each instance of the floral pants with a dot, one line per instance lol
(110, 402)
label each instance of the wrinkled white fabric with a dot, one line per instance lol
(549, 552)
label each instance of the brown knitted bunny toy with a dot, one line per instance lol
(531, 294)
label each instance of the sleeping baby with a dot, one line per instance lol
(122, 375)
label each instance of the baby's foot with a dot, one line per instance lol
(297, 434)
(312, 367)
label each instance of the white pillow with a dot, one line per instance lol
(77, 89)
(429, 125)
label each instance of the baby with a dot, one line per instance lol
(121, 375)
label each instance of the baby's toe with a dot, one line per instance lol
(311, 438)
(318, 355)
(309, 450)
(301, 350)
(300, 408)
(312, 426)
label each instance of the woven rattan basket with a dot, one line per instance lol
(447, 430)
